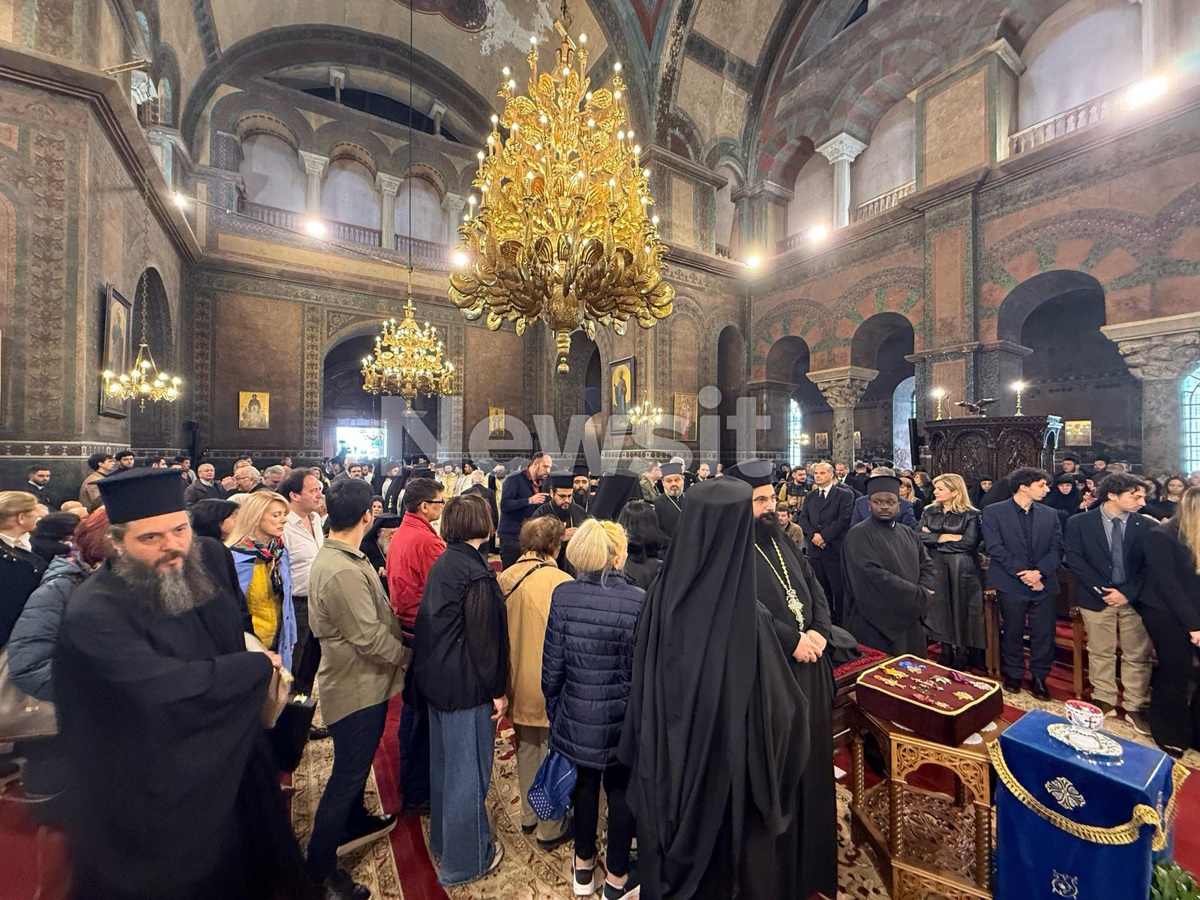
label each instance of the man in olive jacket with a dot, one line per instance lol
(362, 667)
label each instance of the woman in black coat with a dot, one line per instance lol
(647, 542)
(20, 569)
(1170, 608)
(587, 664)
(460, 663)
(950, 532)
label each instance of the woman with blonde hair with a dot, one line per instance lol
(264, 570)
(20, 568)
(951, 533)
(586, 671)
(1170, 608)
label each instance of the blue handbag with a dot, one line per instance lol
(550, 793)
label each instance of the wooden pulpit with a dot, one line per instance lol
(984, 447)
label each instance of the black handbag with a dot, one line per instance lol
(290, 733)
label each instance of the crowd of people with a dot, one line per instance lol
(670, 633)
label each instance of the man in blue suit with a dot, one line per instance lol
(1104, 549)
(862, 506)
(1024, 540)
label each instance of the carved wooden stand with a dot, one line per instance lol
(925, 842)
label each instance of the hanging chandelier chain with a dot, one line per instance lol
(145, 254)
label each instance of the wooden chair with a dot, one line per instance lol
(1074, 643)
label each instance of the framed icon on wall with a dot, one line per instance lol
(115, 355)
(622, 388)
(685, 416)
(821, 440)
(254, 410)
(1077, 433)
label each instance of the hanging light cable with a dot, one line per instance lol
(408, 359)
(143, 382)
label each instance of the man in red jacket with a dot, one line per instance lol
(413, 550)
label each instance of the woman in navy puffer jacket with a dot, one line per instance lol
(586, 668)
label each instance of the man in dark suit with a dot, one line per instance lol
(520, 498)
(1104, 549)
(824, 519)
(1024, 541)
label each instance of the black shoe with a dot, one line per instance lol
(317, 733)
(1039, 689)
(616, 893)
(567, 835)
(946, 657)
(1012, 685)
(1173, 752)
(529, 829)
(338, 886)
(371, 829)
(976, 658)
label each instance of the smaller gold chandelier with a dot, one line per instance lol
(408, 360)
(644, 414)
(143, 382)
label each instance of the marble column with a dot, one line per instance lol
(452, 206)
(387, 185)
(436, 112)
(1157, 27)
(842, 387)
(1160, 353)
(764, 217)
(315, 166)
(841, 151)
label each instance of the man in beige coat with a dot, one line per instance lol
(527, 585)
(362, 667)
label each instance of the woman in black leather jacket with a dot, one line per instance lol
(950, 531)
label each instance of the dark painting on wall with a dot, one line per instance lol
(115, 352)
(622, 384)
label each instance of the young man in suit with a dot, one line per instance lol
(824, 519)
(1104, 549)
(1024, 541)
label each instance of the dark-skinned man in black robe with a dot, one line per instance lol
(563, 507)
(668, 506)
(789, 589)
(889, 576)
(162, 710)
(716, 730)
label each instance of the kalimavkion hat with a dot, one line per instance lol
(140, 494)
(755, 472)
(884, 483)
(672, 468)
(561, 480)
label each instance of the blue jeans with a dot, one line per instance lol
(343, 805)
(461, 745)
(414, 748)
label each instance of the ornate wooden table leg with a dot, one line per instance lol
(895, 817)
(983, 845)
(860, 781)
(960, 791)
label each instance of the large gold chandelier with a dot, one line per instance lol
(563, 231)
(143, 381)
(408, 360)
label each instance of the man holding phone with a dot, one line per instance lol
(520, 498)
(1103, 547)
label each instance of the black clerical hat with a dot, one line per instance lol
(421, 472)
(581, 470)
(141, 493)
(672, 469)
(615, 490)
(755, 472)
(877, 483)
(389, 520)
(561, 480)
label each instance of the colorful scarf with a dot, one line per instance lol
(270, 553)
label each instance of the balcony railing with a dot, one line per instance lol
(355, 234)
(343, 231)
(280, 218)
(724, 252)
(1065, 123)
(882, 203)
(420, 248)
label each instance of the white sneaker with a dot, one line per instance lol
(499, 855)
(586, 881)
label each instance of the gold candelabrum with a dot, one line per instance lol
(408, 360)
(563, 232)
(142, 382)
(1019, 386)
(939, 395)
(645, 414)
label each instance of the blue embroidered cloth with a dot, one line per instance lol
(1070, 824)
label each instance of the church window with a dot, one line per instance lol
(795, 430)
(1191, 420)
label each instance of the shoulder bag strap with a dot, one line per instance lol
(540, 565)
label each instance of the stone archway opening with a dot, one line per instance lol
(154, 429)
(882, 343)
(804, 411)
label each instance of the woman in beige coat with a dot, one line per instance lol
(527, 586)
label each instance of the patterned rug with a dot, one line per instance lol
(529, 873)
(374, 865)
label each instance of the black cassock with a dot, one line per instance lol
(172, 791)
(668, 510)
(571, 517)
(888, 578)
(807, 851)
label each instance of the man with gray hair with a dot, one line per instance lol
(247, 480)
(273, 477)
(825, 519)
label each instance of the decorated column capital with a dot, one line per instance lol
(313, 164)
(387, 184)
(1164, 349)
(843, 386)
(453, 204)
(843, 147)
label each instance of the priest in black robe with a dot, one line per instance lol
(563, 507)
(716, 729)
(889, 576)
(172, 792)
(582, 485)
(789, 589)
(668, 506)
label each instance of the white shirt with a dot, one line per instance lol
(302, 548)
(22, 541)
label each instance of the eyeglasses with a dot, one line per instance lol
(436, 502)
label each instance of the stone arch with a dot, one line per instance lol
(431, 174)
(1032, 293)
(154, 427)
(883, 343)
(357, 153)
(261, 122)
(870, 336)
